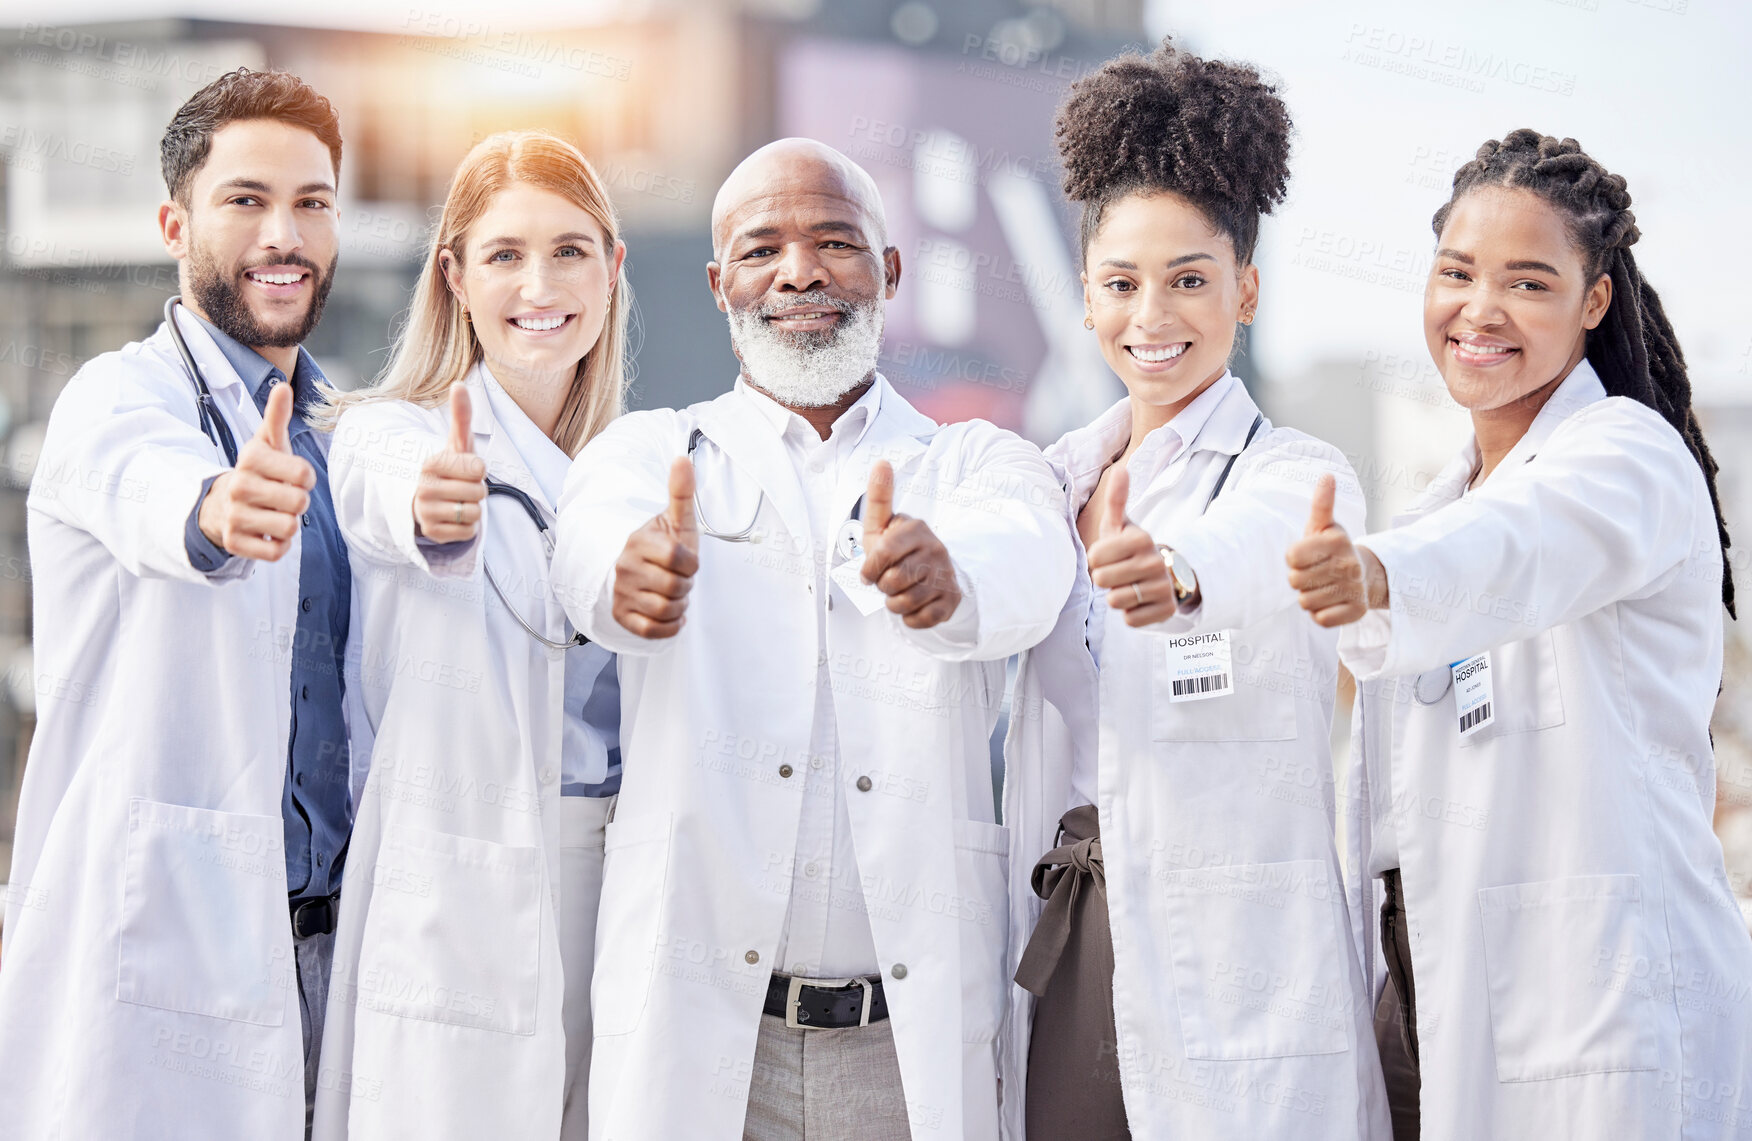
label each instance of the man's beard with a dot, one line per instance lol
(221, 299)
(808, 369)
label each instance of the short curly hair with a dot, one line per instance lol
(1213, 133)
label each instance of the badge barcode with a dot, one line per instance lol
(1208, 684)
(1482, 713)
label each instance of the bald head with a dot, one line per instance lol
(792, 174)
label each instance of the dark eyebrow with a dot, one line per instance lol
(1538, 265)
(1183, 259)
(831, 226)
(506, 241)
(263, 188)
(1455, 255)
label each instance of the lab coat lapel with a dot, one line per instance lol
(899, 434)
(228, 389)
(494, 445)
(734, 426)
(1223, 432)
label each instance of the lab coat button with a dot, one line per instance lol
(810, 870)
(898, 970)
(752, 957)
(784, 770)
(547, 776)
(864, 784)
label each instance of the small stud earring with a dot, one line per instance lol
(1088, 322)
(1247, 318)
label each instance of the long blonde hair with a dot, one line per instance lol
(436, 345)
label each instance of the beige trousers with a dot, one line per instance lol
(825, 1085)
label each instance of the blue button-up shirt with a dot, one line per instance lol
(316, 804)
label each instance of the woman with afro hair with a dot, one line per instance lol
(1538, 646)
(1191, 968)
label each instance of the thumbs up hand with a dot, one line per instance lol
(453, 482)
(1338, 582)
(1125, 561)
(905, 559)
(253, 510)
(656, 568)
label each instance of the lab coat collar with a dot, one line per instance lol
(504, 462)
(1579, 389)
(856, 419)
(1218, 420)
(749, 436)
(215, 370)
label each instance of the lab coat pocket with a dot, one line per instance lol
(635, 872)
(1567, 969)
(1262, 708)
(982, 904)
(1256, 960)
(204, 926)
(453, 932)
(1525, 690)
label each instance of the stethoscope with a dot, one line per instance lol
(494, 487)
(849, 541)
(746, 534)
(212, 423)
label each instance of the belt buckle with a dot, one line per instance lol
(795, 992)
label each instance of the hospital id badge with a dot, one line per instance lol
(1472, 693)
(1199, 667)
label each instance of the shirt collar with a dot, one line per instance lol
(255, 370)
(546, 461)
(849, 428)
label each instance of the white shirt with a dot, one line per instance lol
(827, 929)
(590, 742)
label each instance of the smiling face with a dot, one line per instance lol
(1165, 293)
(802, 272)
(257, 236)
(535, 272)
(1509, 302)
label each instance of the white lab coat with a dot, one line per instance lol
(716, 724)
(148, 987)
(1241, 1006)
(444, 1016)
(1580, 966)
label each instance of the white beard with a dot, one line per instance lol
(808, 370)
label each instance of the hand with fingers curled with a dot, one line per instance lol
(1338, 582)
(254, 510)
(656, 568)
(905, 559)
(453, 483)
(1125, 561)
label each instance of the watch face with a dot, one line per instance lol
(1185, 581)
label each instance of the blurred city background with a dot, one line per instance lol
(949, 105)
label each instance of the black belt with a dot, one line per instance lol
(315, 916)
(825, 1004)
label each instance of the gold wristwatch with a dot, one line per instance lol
(1180, 573)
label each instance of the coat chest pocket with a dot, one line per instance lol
(1256, 961)
(1262, 708)
(204, 926)
(1568, 972)
(453, 933)
(635, 873)
(1525, 689)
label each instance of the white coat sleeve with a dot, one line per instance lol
(1605, 511)
(1237, 547)
(123, 460)
(617, 484)
(374, 471)
(1001, 516)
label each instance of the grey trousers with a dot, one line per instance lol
(825, 1085)
(315, 955)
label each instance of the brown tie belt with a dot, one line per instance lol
(1059, 878)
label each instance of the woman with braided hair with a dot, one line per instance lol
(1538, 646)
(1190, 967)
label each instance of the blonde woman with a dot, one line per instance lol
(484, 730)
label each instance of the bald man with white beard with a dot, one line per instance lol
(813, 587)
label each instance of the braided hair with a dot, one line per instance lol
(1633, 349)
(1213, 133)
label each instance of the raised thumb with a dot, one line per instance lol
(1320, 511)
